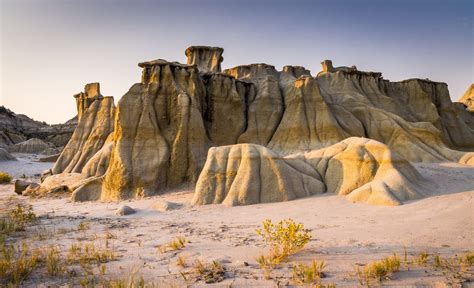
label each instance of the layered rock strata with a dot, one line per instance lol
(277, 135)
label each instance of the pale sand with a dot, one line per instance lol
(344, 234)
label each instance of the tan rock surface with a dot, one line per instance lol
(207, 59)
(249, 174)
(468, 98)
(160, 139)
(94, 127)
(365, 170)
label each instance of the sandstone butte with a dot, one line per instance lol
(253, 134)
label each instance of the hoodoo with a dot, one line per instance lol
(253, 134)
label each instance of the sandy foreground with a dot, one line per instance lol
(344, 234)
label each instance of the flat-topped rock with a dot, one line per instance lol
(207, 59)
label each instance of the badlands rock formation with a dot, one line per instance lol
(34, 146)
(16, 128)
(5, 155)
(276, 135)
(96, 116)
(362, 169)
(468, 98)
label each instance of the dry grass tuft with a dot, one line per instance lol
(308, 274)
(17, 262)
(378, 270)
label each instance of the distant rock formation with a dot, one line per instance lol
(291, 135)
(34, 146)
(5, 155)
(16, 128)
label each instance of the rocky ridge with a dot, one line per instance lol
(158, 136)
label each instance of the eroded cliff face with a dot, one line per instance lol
(287, 130)
(96, 122)
(160, 141)
(468, 98)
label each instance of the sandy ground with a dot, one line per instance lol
(344, 234)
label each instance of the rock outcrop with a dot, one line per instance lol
(361, 169)
(96, 123)
(16, 128)
(207, 59)
(5, 155)
(160, 140)
(278, 135)
(34, 146)
(468, 99)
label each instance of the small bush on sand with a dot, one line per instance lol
(379, 270)
(177, 244)
(423, 258)
(209, 272)
(284, 239)
(5, 178)
(308, 274)
(54, 267)
(181, 261)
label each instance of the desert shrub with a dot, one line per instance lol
(469, 258)
(308, 274)
(54, 267)
(17, 219)
(423, 258)
(181, 261)
(209, 272)
(5, 178)
(17, 262)
(284, 239)
(379, 270)
(83, 226)
(176, 244)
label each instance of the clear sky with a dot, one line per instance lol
(51, 48)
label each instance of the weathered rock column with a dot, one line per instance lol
(207, 59)
(84, 99)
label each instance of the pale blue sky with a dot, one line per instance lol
(51, 48)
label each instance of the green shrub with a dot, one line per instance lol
(5, 178)
(284, 239)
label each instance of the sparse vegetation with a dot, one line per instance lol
(83, 226)
(89, 253)
(17, 262)
(378, 270)
(54, 266)
(15, 220)
(423, 258)
(211, 272)
(308, 274)
(181, 261)
(5, 178)
(284, 239)
(176, 244)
